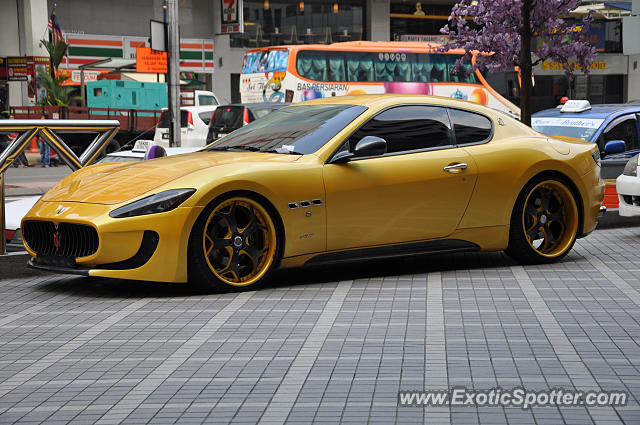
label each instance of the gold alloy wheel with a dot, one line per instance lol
(550, 218)
(239, 241)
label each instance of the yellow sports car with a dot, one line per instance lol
(334, 179)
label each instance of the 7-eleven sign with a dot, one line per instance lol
(232, 21)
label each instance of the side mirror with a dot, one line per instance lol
(370, 146)
(615, 146)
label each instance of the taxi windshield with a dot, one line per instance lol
(580, 128)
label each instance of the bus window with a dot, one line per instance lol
(439, 73)
(392, 66)
(360, 66)
(336, 67)
(422, 67)
(312, 65)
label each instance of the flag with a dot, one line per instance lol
(54, 28)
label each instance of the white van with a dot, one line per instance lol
(198, 98)
(194, 125)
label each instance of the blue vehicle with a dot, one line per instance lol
(614, 127)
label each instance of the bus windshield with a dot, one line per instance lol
(292, 130)
(265, 61)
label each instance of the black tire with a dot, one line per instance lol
(243, 257)
(113, 146)
(544, 223)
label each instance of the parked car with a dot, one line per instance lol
(628, 187)
(228, 118)
(615, 128)
(329, 180)
(194, 122)
(17, 209)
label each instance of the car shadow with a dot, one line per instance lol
(95, 287)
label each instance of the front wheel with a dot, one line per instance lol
(233, 245)
(544, 222)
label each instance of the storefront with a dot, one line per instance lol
(606, 82)
(275, 22)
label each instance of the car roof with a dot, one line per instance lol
(602, 111)
(201, 108)
(258, 105)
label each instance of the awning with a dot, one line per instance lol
(619, 5)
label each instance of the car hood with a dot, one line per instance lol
(116, 182)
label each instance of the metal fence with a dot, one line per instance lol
(50, 131)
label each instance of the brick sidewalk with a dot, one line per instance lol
(331, 346)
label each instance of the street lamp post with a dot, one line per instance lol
(173, 68)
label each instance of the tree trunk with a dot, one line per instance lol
(525, 64)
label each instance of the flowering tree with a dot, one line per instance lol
(504, 28)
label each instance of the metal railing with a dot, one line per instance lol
(48, 130)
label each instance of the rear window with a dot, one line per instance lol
(164, 119)
(205, 117)
(204, 100)
(228, 117)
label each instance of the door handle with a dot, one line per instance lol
(455, 168)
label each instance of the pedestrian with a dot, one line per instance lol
(4, 138)
(44, 148)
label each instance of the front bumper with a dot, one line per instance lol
(125, 250)
(628, 188)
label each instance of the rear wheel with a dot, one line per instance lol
(233, 245)
(544, 223)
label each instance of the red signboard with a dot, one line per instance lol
(17, 68)
(232, 19)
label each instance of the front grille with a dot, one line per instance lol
(631, 200)
(68, 240)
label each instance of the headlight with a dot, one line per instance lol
(631, 169)
(596, 157)
(160, 202)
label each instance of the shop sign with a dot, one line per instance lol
(3, 68)
(603, 64)
(152, 61)
(35, 92)
(422, 38)
(17, 69)
(232, 19)
(74, 77)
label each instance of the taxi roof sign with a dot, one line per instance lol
(576, 106)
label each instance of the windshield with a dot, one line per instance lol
(580, 128)
(294, 129)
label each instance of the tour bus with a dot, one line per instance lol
(303, 72)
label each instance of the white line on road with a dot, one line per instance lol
(288, 390)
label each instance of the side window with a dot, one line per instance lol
(408, 128)
(205, 117)
(470, 127)
(626, 130)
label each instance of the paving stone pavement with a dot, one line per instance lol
(328, 345)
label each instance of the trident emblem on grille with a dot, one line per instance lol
(56, 240)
